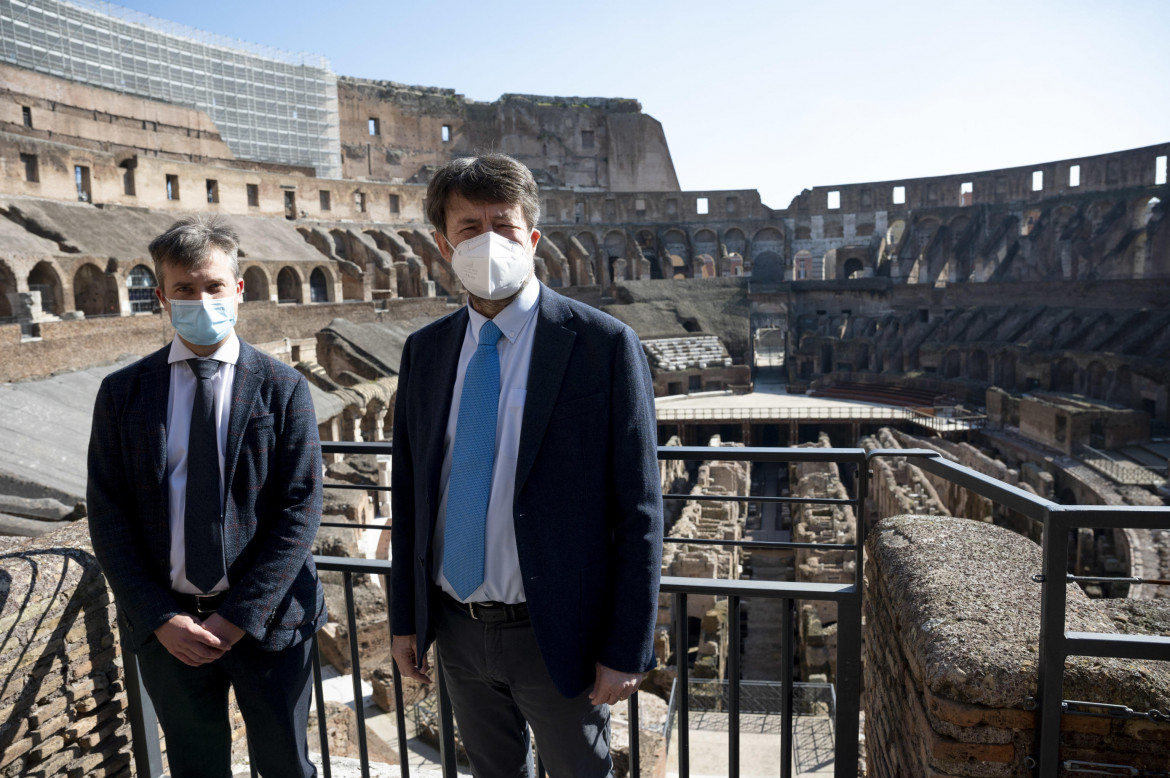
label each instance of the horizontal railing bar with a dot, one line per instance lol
(763, 544)
(750, 498)
(1148, 647)
(801, 590)
(352, 564)
(345, 525)
(356, 446)
(1110, 516)
(743, 454)
(1101, 579)
(364, 487)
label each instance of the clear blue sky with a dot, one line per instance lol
(772, 95)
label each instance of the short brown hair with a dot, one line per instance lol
(491, 178)
(187, 242)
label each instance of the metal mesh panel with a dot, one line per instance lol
(269, 105)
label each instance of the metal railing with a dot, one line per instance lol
(1055, 643)
(942, 419)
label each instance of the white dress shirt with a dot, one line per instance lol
(180, 401)
(502, 581)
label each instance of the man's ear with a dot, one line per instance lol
(239, 286)
(444, 248)
(162, 299)
(535, 238)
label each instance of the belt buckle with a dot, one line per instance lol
(471, 611)
(199, 598)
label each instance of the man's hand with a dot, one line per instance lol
(223, 629)
(404, 648)
(612, 686)
(189, 641)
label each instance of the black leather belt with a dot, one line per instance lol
(489, 612)
(200, 604)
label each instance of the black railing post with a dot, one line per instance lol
(635, 743)
(1052, 654)
(144, 743)
(322, 727)
(848, 685)
(682, 654)
(356, 673)
(733, 688)
(787, 724)
(399, 711)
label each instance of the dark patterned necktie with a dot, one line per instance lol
(203, 522)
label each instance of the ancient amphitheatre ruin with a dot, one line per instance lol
(1012, 321)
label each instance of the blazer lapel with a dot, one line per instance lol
(440, 370)
(245, 390)
(551, 348)
(155, 390)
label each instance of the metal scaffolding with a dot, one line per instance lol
(269, 105)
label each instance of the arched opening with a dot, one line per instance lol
(44, 279)
(706, 243)
(952, 364)
(802, 266)
(7, 287)
(1121, 391)
(854, 268)
(675, 242)
(767, 267)
(615, 249)
(767, 241)
(1005, 370)
(255, 284)
(648, 245)
(826, 358)
(977, 365)
(140, 285)
(1097, 383)
(318, 286)
(1064, 376)
(894, 233)
(559, 240)
(735, 242)
(288, 286)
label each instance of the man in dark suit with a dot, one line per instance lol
(527, 509)
(204, 498)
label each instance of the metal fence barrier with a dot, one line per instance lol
(1055, 643)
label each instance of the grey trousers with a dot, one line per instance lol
(498, 684)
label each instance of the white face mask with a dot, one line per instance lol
(491, 266)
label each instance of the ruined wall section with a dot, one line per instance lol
(395, 132)
(950, 665)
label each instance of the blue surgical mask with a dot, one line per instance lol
(204, 322)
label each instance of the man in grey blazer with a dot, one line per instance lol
(527, 510)
(204, 498)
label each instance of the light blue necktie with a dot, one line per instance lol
(470, 483)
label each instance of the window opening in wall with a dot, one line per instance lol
(833, 201)
(1074, 175)
(375, 128)
(1037, 180)
(30, 167)
(254, 195)
(701, 205)
(966, 193)
(81, 175)
(639, 207)
(586, 139)
(866, 198)
(1160, 170)
(359, 201)
(141, 284)
(212, 190)
(128, 178)
(899, 195)
(394, 206)
(172, 187)
(578, 212)
(325, 204)
(446, 133)
(290, 205)
(26, 114)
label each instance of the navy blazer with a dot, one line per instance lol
(588, 500)
(272, 473)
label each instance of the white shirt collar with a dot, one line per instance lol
(228, 352)
(512, 319)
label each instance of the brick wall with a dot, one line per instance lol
(950, 665)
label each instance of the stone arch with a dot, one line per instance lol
(318, 286)
(894, 233)
(977, 365)
(853, 268)
(615, 255)
(255, 284)
(1005, 370)
(767, 267)
(1121, 390)
(952, 363)
(44, 278)
(140, 286)
(1097, 380)
(1097, 213)
(648, 245)
(675, 242)
(560, 240)
(7, 287)
(735, 241)
(588, 242)
(1144, 210)
(706, 242)
(1064, 375)
(288, 285)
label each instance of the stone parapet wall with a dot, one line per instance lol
(950, 665)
